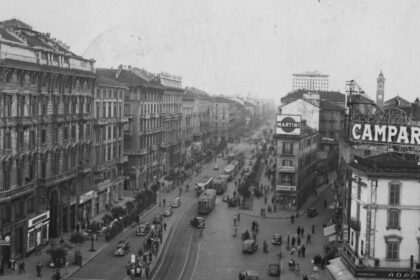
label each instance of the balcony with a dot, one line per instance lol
(100, 121)
(16, 192)
(155, 147)
(55, 179)
(123, 159)
(136, 152)
(84, 169)
(122, 119)
(287, 169)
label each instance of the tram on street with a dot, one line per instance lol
(220, 183)
(200, 187)
(206, 201)
(230, 171)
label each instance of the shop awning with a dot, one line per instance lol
(329, 230)
(339, 271)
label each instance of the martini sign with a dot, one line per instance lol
(288, 124)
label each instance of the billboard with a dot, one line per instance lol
(384, 133)
(288, 124)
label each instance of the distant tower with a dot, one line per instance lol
(380, 91)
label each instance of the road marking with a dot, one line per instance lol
(166, 248)
(186, 259)
(196, 262)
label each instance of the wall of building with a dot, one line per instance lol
(308, 111)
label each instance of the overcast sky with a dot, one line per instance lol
(240, 47)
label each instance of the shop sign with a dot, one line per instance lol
(288, 124)
(396, 134)
(285, 188)
(5, 241)
(87, 196)
(383, 273)
(39, 219)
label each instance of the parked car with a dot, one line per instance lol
(274, 269)
(276, 239)
(225, 197)
(176, 202)
(249, 246)
(143, 229)
(311, 212)
(198, 222)
(216, 167)
(168, 212)
(249, 275)
(123, 247)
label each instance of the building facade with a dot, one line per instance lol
(142, 133)
(297, 146)
(46, 94)
(313, 81)
(187, 127)
(335, 97)
(171, 121)
(108, 129)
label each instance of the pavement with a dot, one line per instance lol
(99, 245)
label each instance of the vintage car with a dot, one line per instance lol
(157, 219)
(274, 269)
(276, 239)
(176, 202)
(123, 247)
(168, 212)
(143, 229)
(249, 246)
(216, 167)
(311, 212)
(249, 275)
(198, 222)
(225, 198)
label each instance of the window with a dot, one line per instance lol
(32, 139)
(288, 148)
(32, 168)
(362, 248)
(394, 193)
(392, 250)
(20, 105)
(286, 179)
(19, 209)
(31, 204)
(7, 171)
(287, 162)
(393, 219)
(8, 100)
(44, 136)
(80, 131)
(55, 135)
(6, 215)
(66, 133)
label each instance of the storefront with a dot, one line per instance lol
(5, 248)
(285, 196)
(38, 228)
(86, 206)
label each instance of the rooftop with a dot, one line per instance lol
(387, 165)
(129, 78)
(332, 96)
(104, 81)
(326, 105)
(309, 73)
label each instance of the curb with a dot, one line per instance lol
(301, 212)
(104, 246)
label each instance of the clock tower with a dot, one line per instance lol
(380, 93)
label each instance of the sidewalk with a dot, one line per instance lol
(258, 203)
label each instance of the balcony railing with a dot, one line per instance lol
(287, 169)
(57, 178)
(16, 191)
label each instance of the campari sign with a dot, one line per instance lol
(385, 133)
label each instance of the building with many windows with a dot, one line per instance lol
(171, 121)
(187, 127)
(313, 81)
(143, 132)
(297, 146)
(108, 130)
(46, 95)
(383, 219)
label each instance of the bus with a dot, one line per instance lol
(220, 183)
(200, 187)
(230, 171)
(206, 201)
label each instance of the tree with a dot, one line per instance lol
(58, 254)
(107, 219)
(129, 205)
(76, 238)
(118, 212)
(93, 229)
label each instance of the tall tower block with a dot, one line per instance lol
(380, 91)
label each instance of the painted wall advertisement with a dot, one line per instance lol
(288, 124)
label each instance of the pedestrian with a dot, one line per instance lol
(292, 252)
(239, 217)
(303, 251)
(38, 269)
(313, 229)
(308, 239)
(164, 226)
(298, 240)
(66, 267)
(302, 230)
(265, 200)
(288, 239)
(22, 266)
(292, 219)
(234, 220)
(293, 241)
(299, 248)
(298, 230)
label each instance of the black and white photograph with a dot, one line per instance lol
(210, 139)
